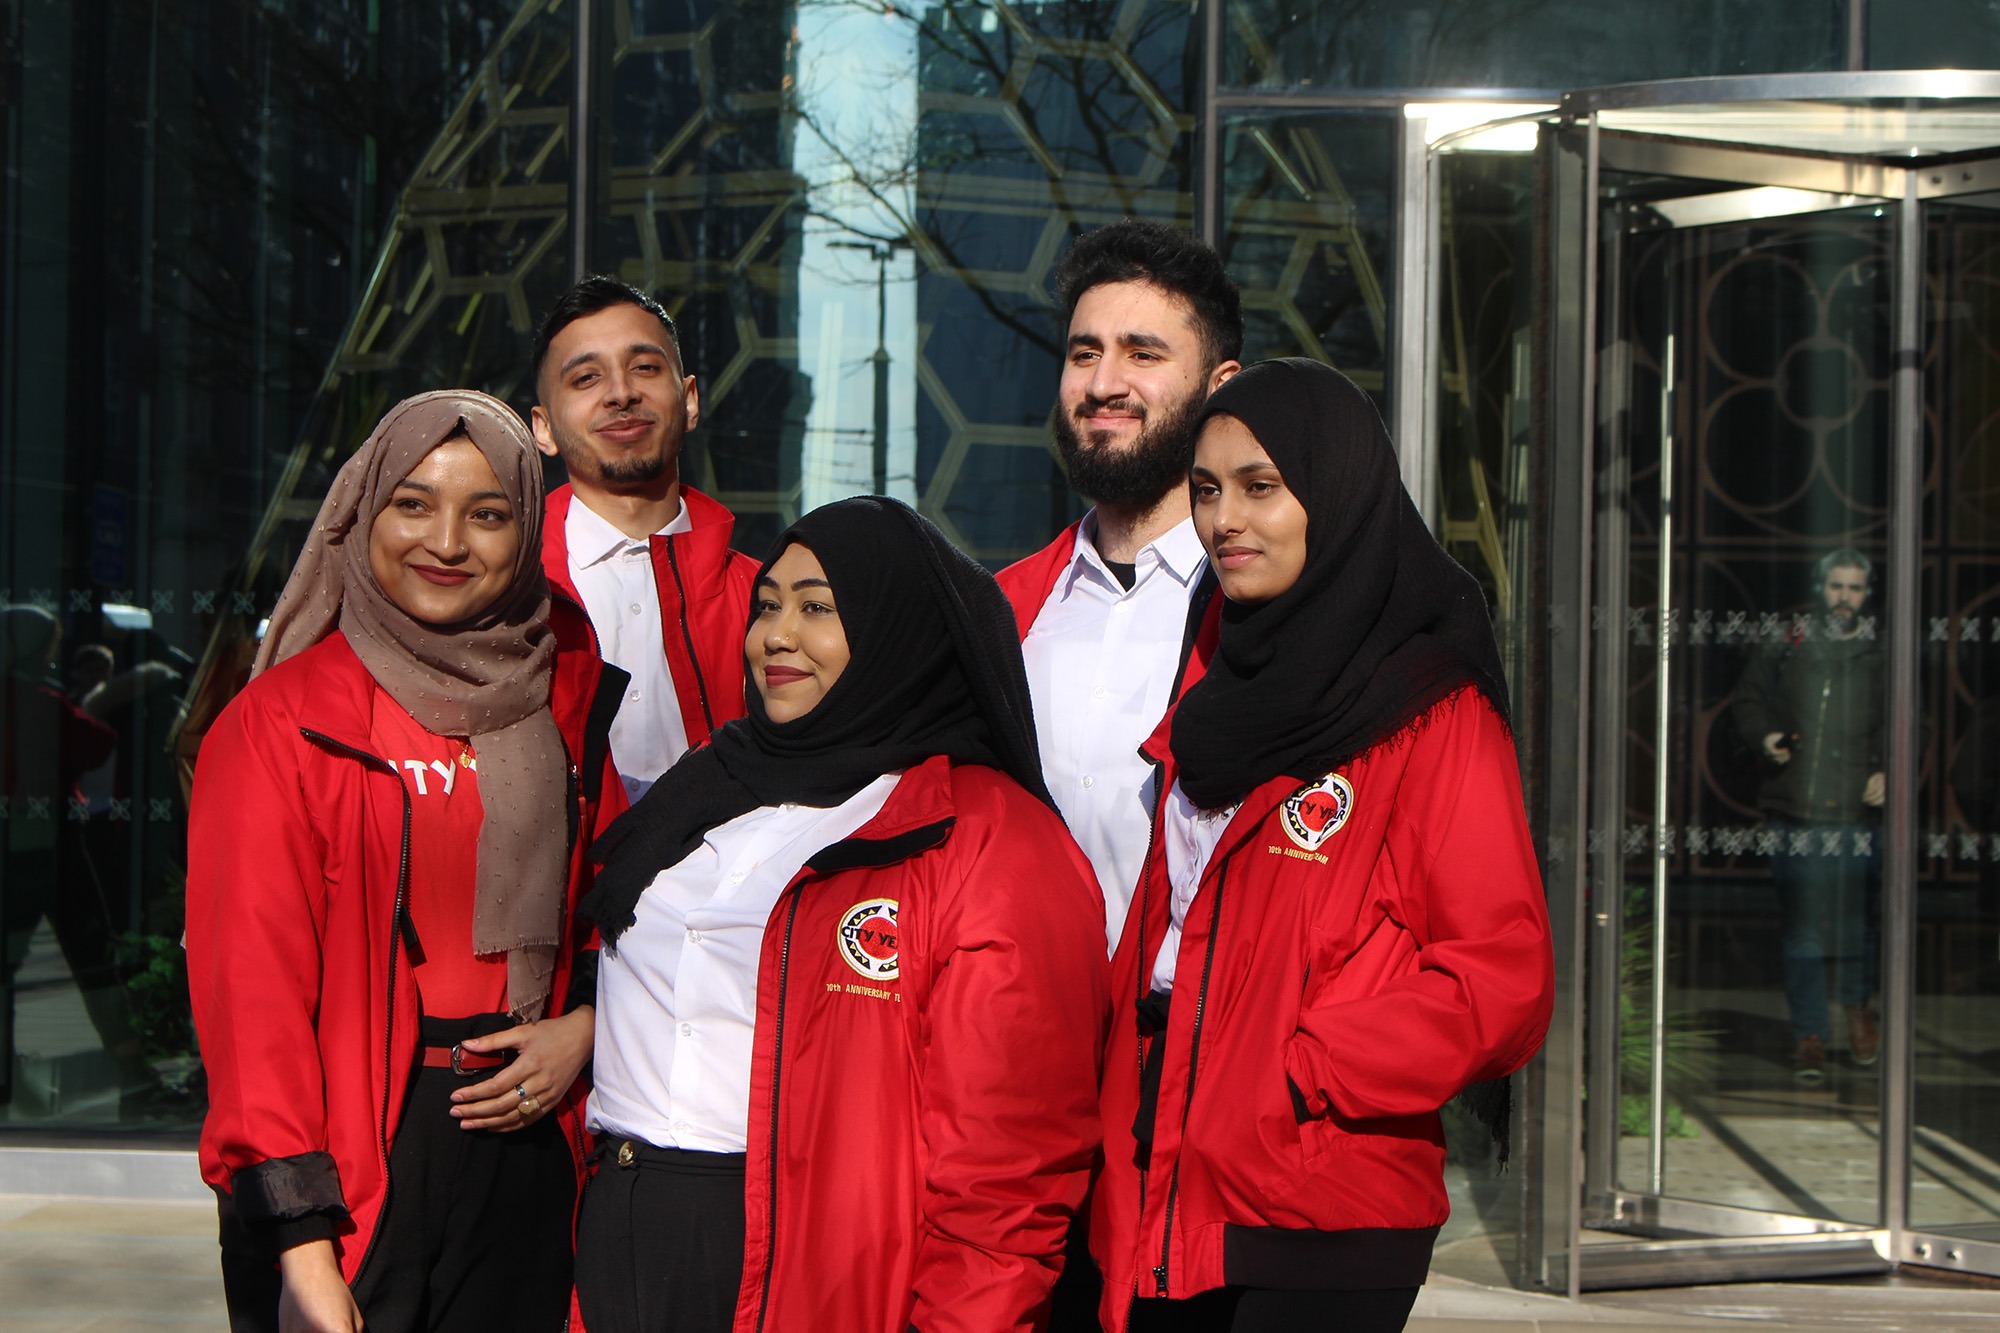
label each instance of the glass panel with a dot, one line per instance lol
(1481, 384)
(1743, 650)
(1307, 229)
(196, 199)
(1555, 44)
(1933, 34)
(854, 215)
(1955, 1143)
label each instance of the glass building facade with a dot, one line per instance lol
(236, 231)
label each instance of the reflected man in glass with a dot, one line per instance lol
(1811, 706)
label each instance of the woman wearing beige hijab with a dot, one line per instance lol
(385, 848)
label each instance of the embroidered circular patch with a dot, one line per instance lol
(868, 938)
(1315, 813)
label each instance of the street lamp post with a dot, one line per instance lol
(880, 252)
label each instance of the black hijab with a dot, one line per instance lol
(934, 667)
(1381, 624)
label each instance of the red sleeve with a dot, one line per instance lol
(1016, 1015)
(256, 911)
(1478, 1003)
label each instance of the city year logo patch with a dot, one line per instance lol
(868, 938)
(1315, 813)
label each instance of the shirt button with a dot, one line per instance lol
(687, 1029)
(682, 1126)
(1088, 783)
(694, 935)
(1099, 692)
(634, 696)
(634, 608)
(737, 878)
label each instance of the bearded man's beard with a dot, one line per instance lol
(1140, 475)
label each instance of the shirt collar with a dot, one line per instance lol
(1177, 550)
(593, 539)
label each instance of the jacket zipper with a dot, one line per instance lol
(777, 1072)
(1194, 1056)
(1819, 731)
(382, 765)
(573, 803)
(1145, 969)
(687, 635)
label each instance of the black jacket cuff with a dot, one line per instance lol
(282, 1236)
(282, 1189)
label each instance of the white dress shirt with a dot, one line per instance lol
(1188, 836)
(613, 574)
(1101, 664)
(677, 998)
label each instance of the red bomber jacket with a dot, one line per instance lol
(1358, 952)
(931, 1004)
(704, 589)
(297, 934)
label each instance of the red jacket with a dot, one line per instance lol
(1029, 580)
(923, 1094)
(297, 964)
(704, 591)
(1327, 1001)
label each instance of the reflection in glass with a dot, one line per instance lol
(1552, 44)
(1955, 1144)
(1744, 816)
(199, 198)
(1307, 229)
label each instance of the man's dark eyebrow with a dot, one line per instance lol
(1152, 340)
(592, 355)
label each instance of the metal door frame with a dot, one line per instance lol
(1577, 146)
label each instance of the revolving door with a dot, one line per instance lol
(1769, 342)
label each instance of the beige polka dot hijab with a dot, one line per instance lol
(486, 678)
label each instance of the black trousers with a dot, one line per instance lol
(1265, 1310)
(659, 1240)
(475, 1237)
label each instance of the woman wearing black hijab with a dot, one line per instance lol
(1341, 925)
(852, 1001)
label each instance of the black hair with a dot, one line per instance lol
(1142, 250)
(598, 292)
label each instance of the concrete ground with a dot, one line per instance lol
(71, 1265)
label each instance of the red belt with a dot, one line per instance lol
(461, 1061)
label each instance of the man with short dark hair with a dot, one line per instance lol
(1812, 705)
(645, 554)
(1108, 611)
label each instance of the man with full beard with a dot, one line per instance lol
(1109, 611)
(1811, 703)
(647, 556)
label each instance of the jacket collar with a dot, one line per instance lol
(918, 816)
(341, 690)
(706, 537)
